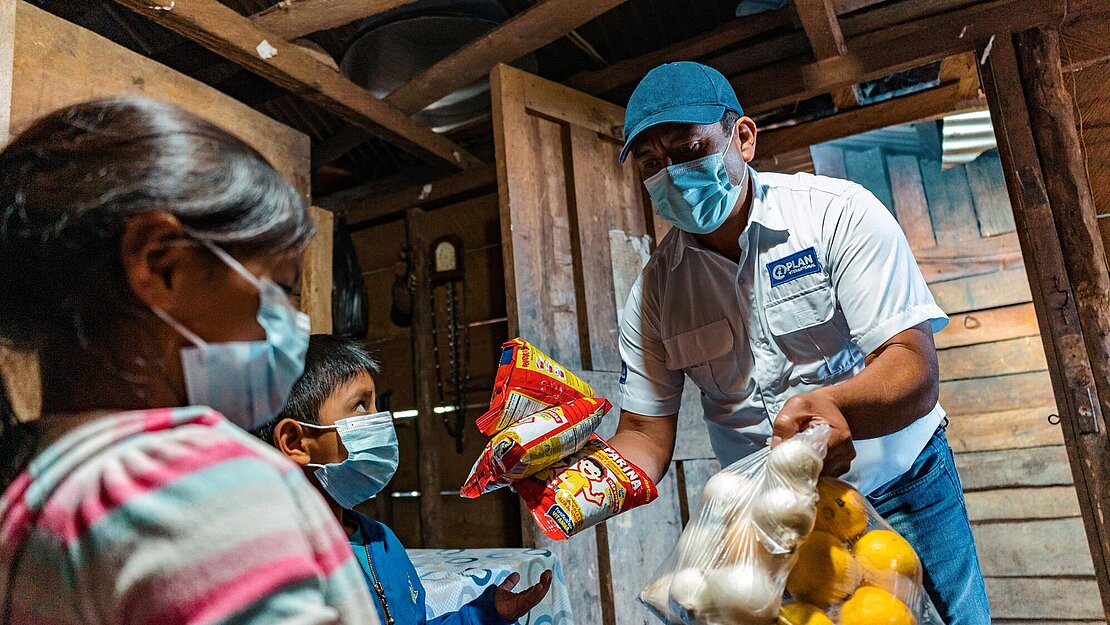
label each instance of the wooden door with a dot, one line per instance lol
(576, 230)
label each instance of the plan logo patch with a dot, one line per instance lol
(795, 266)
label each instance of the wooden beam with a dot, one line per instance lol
(723, 37)
(943, 100)
(1052, 116)
(527, 31)
(1070, 365)
(357, 207)
(789, 44)
(238, 39)
(296, 18)
(316, 273)
(822, 28)
(893, 50)
(427, 422)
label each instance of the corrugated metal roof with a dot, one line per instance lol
(966, 136)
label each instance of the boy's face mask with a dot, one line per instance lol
(371, 443)
(248, 381)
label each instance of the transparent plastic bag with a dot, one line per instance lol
(753, 537)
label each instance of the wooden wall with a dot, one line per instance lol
(48, 63)
(492, 520)
(994, 380)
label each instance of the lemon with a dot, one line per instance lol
(799, 613)
(825, 572)
(841, 510)
(875, 606)
(882, 552)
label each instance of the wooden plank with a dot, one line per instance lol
(238, 39)
(606, 197)
(639, 542)
(1069, 363)
(1019, 355)
(7, 59)
(945, 99)
(1014, 468)
(1006, 392)
(358, 206)
(1018, 504)
(427, 422)
(949, 202)
(697, 473)
(828, 160)
(868, 169)
(819, 22)
(952, 261)
(979, 292)
(1033, 599)
(1033, 548)
(1007, 429)
(893, 50)
(1067, 187)
(296, 18)
(58, 63)
(1083, 39)
(730, 34)
(988, 325)
(988, 190)
(910, 206)
(527, 31)
(316, 273)
(1091, 87)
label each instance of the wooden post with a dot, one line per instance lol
(1064, 322)
(426, 423)
(316, 272)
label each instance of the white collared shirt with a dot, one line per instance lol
(826, 276)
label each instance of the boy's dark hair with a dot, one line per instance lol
(331, 362)
(729, 119)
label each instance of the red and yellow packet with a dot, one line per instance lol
(527, 382)
(534, 443)
(584, 489)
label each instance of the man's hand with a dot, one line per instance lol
(511, 605)
(807, 409)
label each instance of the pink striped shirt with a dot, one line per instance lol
(172, 516)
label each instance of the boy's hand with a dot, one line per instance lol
(511, 605)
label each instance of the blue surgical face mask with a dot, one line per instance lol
(371, 444)
(697, 196)
(247, 381)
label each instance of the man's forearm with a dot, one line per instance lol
(898, 386)
(646, 444)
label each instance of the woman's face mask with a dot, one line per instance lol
(372, 455)
(696, 196)
(248, 381)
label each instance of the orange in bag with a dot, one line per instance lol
(527, 382)
(534, 443)
(584, 489)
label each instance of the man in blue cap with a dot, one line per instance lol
(789, 300)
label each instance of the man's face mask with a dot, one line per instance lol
(697, 196)
(247, 381)
(371, 443)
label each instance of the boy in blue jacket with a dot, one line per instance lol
(331, 428)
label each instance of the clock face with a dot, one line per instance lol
(446, 257)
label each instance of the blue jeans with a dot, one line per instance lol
(926, 506)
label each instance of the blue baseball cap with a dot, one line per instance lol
(683, 93)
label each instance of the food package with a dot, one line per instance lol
(534, 443)
(768, 524)
(527, 382)
(584, 489)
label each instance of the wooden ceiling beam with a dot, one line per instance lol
(238, 39)
(361, 204)
(955, 95)
(296, 18)
(822, 28)
(527, 31)
(892, 50)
